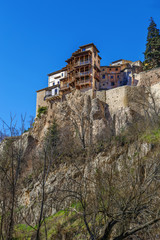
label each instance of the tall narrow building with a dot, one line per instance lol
(83, 70)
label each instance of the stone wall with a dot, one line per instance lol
(121, 98)
(40, 100)
(148, 77)
(101, 95)
(117, 98)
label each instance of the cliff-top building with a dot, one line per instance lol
(83, 72)
(119, 73)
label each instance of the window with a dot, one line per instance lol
(117, 76)
(111, 77)
(58, 82)
(103, 84)
(55, 91)
(98, 61)
(83, 49)
(94, 53)
(86, 58)
(103, 76)
(62, 74)
(116, 69)
(53, 83)
(112, 83)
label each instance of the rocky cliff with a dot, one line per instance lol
(59, 159)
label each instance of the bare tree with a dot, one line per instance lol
(44, 161)
(146, 101)
(10, 168)
(82, 121)
(119, 201)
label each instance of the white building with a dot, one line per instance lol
(54, 79)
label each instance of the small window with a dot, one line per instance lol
(103, 84)
(83, 49)
(62, 74)
(55, 91)
(103, 69)
(112, 83)
(117, 76)
(58, 82)
(95, 54)
(111, 77)
(103, 76)
(53, 83)
(98, 61)
(116, 69)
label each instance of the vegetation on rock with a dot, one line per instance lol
(41, 110)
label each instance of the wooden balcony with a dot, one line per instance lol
(81, 74)
(52, 97)
(71, 80)
(84, 82)
(64, 87)
(97, 68)
(97, 76)
(79, 63)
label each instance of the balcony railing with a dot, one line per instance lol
(64, 86)
(97, 76)
(49, 96)
(79, 74)
(79, 63)
(83, 82)
(71, 79)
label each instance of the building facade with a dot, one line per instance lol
(119, 73)
(83, 70)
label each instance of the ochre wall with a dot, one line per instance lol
(40, 100)
(118, 98)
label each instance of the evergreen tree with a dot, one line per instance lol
(152, 53)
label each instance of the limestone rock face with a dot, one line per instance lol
(97, 116)
(79, 107)
(77, 113)
(60, 178)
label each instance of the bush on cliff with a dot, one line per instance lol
(41, 110)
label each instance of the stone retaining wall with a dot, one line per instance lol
(148, 77)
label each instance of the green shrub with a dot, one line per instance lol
(42, 110)
(152, 136)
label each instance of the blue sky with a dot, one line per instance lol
(38, 36)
